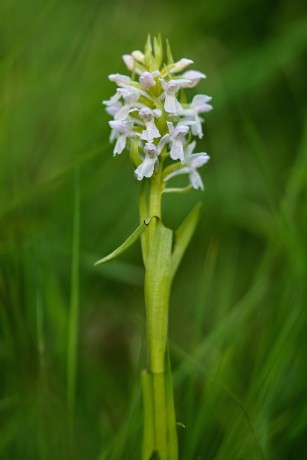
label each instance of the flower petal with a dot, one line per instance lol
(180, 129)
(177, 152)
(180, 65)
(200, 103)
(123, 112)
(146, 168)
(194, 76)
(162, 142)
(120, 144)
(183, 170)
(198, 159)
(196, 180)
(147, 80)
(171, 104)
(151, 132)
(120, 79)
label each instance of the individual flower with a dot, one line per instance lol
(113, 105)
(180, 65)
(147, 80)
(120, 80)
(171, 104)
(176, 139)
(121, 130)
(150, 161)
(147, 116)
(131, 96)
(194, 76)
(198, 105)
(191, 163)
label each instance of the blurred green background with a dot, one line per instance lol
(238, 310)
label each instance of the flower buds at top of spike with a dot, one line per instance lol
(151, 114)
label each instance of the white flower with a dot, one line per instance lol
(192, 163)
(197, 106)
(113, 105)
(120, 131)
(147, 79)
(194, 76)
(131, 61)
(150, 161)
(180, 65)
(131, 96)
(146, 168)
(171, 104)
(151, 131)
(120, 80)
(176, 138)
(112, 109)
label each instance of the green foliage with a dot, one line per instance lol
(238, 309)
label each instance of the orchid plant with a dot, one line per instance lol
(154, 123)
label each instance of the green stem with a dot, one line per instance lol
(149, 428)
(160, 414)
(159, 432)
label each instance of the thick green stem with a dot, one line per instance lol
(160, 414)
(157, 251)
(149, 427)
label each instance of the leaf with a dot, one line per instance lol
(183, 236)
(157, 287)
(155, 456)
(129, 241)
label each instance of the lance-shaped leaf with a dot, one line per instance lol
(183, 236)
(157, 289)
(129, 241)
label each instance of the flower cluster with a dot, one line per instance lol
(152, 118)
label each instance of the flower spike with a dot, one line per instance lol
(151, 114)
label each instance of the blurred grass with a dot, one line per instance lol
(238, 310)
